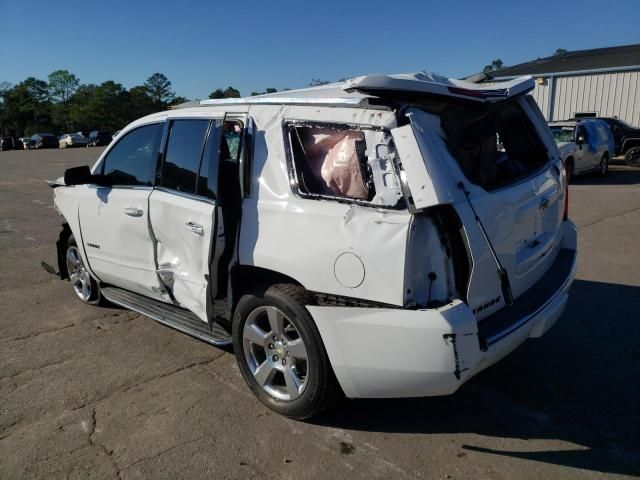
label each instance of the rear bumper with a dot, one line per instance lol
(379, 353)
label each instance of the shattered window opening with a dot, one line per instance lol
(494, 145)
(342, 162)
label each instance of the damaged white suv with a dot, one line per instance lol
(389, 236)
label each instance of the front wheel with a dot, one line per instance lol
(632, 157)
(84, 286)
(280, 352)
(568, 165)
(604, 165)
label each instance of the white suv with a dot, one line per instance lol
(389, 236)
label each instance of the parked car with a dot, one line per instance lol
(586, 145)
(7, 143)
(72, 140)
(23, 143)
(626, 138)
(99, 138)
(350, 247)
(43, 140)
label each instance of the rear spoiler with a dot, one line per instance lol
(422, 83)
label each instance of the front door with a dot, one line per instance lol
(114, 220)
(182, 211)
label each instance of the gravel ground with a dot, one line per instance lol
(88, 392)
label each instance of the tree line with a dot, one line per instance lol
(62, 104)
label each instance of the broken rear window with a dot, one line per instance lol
(494, 144)
(343, 162)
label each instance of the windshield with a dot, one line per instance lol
(563, 134)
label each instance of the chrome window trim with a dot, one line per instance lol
(187, 195)
(122, 187)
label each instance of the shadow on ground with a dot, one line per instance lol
(578, 384)
(618, 174)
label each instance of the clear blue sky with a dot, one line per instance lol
(201, 45)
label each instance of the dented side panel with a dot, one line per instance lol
(332, 247)
(183, 232)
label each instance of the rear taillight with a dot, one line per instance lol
(565, 215)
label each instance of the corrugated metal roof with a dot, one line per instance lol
(576, 61)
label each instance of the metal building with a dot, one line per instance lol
(602, 81)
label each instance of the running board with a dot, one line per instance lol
(169, 315)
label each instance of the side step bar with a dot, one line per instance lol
(169, 315)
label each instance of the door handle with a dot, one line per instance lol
(195, 228)
(133, 212)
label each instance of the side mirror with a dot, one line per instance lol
(580, 140)
(78, 176)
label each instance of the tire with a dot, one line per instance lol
(569, 167)
(604, 165)
(632, 157)
(280, 352)
(83, 284)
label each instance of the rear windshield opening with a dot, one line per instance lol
(494, 144)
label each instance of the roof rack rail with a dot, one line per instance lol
(283, 100)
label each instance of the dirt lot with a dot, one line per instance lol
(89, 392)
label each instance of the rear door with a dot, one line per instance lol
(183, 211)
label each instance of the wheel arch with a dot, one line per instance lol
(629, 143)
(61, 249)
(243, 278)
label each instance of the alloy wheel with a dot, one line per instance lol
(78, 274)
(604, 165)
(633, 157)
(275, 353)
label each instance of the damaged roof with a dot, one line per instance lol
(359, 90)
(610, 58)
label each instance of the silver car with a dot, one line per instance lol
(72, 140)
(585, 145)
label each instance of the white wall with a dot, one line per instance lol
(607, 94)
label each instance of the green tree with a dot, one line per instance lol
(493, 66)
(27, 107)
(140, 102)
(229, 92)
(268, 90)
(159, 89)
(105, 106)
(62, 86)
(316, 82)
(4, 127)
(178, 100)
(560, 51)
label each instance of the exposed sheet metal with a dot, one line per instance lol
(429, 83)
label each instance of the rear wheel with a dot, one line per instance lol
(84, 286)
(632, 157)
(604, 165)
(280, 352)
